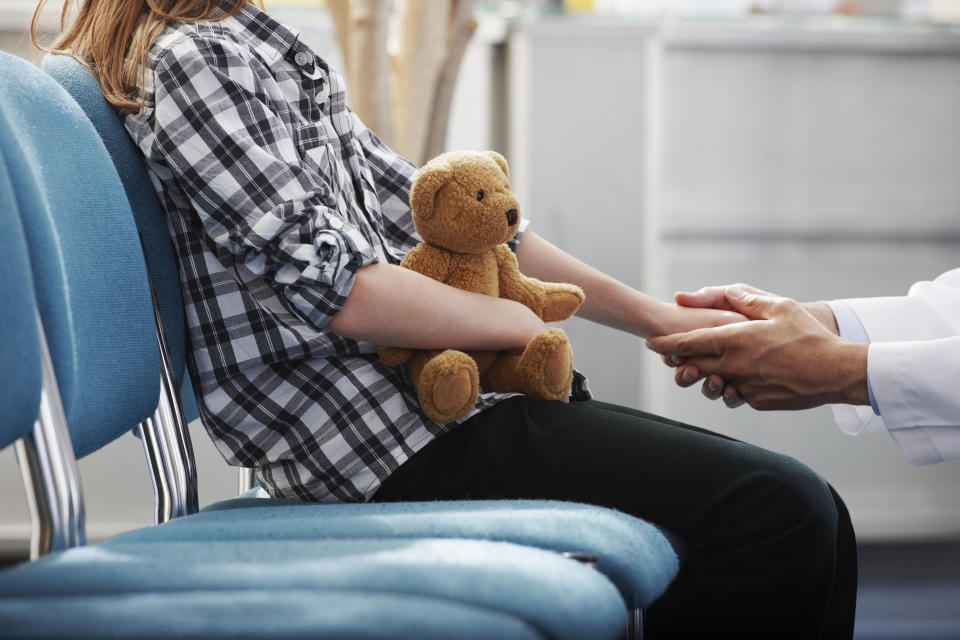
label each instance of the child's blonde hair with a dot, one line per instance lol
(112, 37)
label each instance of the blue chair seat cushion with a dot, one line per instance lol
(560, 598)
(255, 614)
(638, 557)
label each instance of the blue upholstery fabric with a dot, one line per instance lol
(254, 615)
(20, 376)
(561, 598)
(634, 554)
(76, 220)
(147, 213)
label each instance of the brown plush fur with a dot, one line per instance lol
(464, 235)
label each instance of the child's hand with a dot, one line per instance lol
(707, 307)
(678, 319)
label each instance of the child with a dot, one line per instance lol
(290, 218)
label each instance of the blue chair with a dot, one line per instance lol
(166, 437)
(94, 298)
(638, 557)
(86, 599)
(22, 378)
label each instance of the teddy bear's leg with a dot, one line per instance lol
(547, 365)
(502, 375)
(484, 360)
(544, 370)
(447, 383)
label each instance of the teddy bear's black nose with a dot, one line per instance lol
(512, 217)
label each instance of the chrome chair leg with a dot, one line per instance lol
(634, 616)
(154, 448)
(49, 468)
(246, 479)
(167, 444)
(635, 624)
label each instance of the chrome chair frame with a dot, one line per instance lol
(246, 479)
(635, 619)
(48, 464)
(167, 444)
(49, 469)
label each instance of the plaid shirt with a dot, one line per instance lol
(276, 194)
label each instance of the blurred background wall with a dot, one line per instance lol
(676, 145)
(814, 156)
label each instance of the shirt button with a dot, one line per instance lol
(335, 222)
(322, 95)
(302, 58)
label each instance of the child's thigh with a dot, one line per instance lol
(681, 477)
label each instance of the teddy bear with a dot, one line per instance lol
(465, 213)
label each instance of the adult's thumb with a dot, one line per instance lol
(755, 306)
(705, 298)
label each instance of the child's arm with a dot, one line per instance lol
(392, 305)
(432, 263)
(609, 301)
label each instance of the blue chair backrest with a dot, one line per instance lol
(20, 375)
(147, 212)
(90, 279)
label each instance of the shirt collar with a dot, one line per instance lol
(271, 40)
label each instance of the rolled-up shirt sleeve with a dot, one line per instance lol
(258, 203)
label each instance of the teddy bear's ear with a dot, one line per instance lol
(431, 178)
(500, 160)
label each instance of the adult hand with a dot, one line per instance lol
(784, 359)
(672, 318)
(716, 298)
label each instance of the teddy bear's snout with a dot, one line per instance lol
(512, 217)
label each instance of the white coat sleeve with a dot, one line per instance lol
(913, 364)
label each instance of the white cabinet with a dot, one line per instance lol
(817, 159)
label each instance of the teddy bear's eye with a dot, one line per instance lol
(479, 196)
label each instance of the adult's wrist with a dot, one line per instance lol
(849, 384)
(823, 313)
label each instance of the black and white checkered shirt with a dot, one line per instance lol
(276, 195)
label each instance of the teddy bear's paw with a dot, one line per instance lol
(449, 386)
(561, 301)
(547, 363)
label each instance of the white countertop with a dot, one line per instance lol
(814, 33)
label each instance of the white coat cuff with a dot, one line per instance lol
(908, 382)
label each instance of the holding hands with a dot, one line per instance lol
(788, 356)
